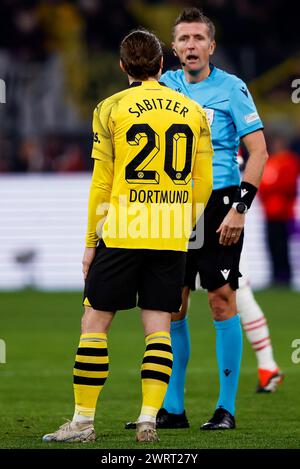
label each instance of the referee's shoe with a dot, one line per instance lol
(221, 420)
(165, 419)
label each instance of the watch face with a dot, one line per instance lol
(241, 207)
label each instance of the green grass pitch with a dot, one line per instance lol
(41, 332)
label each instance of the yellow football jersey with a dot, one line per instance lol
(150, 143)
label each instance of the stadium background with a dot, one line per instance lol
(58, 59)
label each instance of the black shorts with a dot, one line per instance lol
(216, 264)
(118, 276)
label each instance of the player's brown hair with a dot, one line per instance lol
(195, 15)
(140, 54)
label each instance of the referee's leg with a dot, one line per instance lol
(174, 398)
(229, 353)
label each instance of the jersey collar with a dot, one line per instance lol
(207, 79)
(135, 83)
(145, 83)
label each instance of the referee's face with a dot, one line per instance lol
(193, 46)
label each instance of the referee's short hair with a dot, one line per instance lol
(195, 15)
(141, 53)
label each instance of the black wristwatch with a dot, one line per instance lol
(240, 207)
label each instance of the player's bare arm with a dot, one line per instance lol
(88, 257)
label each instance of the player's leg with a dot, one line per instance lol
(159, 295)
(256, 328)
(91, 364)
(105, 278)
(155, 370)
(172, 413)
(89, 375)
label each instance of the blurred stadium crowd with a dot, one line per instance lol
(59, 58)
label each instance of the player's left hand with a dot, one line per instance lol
(231, 227)
(88, 256)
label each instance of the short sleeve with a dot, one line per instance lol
(103, 140)
(243, 110)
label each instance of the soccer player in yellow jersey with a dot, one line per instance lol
(152, 178)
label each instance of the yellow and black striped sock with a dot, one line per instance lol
(155, 373)
(89, 373)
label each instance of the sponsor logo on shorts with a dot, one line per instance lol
(225, 273)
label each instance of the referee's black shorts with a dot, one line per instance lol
(121, 278)
(216, 264)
